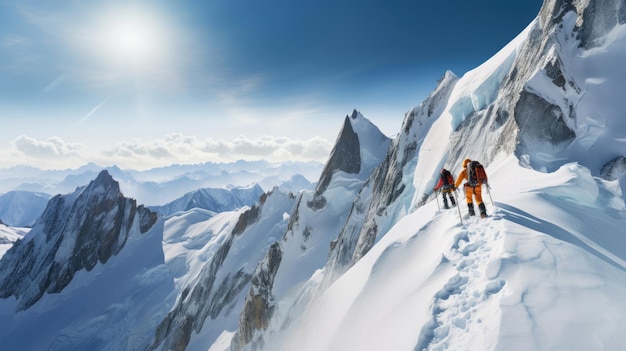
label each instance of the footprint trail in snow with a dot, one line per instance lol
(455, 318)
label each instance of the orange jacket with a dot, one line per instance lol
(462, 176)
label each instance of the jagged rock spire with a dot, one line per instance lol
(345, 156)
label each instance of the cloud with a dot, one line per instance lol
(179, 148)
(53, 147)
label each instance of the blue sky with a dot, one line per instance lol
(150, 83)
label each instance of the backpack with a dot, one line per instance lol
(446, 177)
(476, 174)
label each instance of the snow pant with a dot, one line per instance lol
(474, 192)
(447, 191)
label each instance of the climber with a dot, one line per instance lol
(475, 175)
(446, 182)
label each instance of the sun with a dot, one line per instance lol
(131, 38)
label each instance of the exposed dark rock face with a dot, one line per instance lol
(295, 216)
(317, 203)
(597, 18)
(614, 169)
(75, 232)
(345, 156)
(542, 121)
(259, 305)
(245, 219)
(553, 71)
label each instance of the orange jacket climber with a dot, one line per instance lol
(473, 190)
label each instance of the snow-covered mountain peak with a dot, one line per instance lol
(75, 232)
(358, 149)
(373, 142)
(103, 185)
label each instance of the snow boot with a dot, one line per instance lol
(445, 202)
(452, 200)
(483, 210)
(470, 207)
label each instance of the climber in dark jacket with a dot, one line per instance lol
(446, 182)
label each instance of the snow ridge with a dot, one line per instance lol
(212, 199)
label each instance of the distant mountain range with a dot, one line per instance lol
(159, 186)
(22, 208)
(215, 200)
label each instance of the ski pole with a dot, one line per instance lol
(437, 198)
(489, 192)
(458, 207)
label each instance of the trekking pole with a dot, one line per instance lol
(437, 198)
(458, 207)
(489, 192)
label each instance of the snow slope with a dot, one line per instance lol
(545, 271)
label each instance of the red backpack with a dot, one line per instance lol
(447, 178)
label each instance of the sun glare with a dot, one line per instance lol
(131, 38)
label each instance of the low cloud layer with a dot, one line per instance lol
(53, 147)
(171, 149)
(178, 148)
